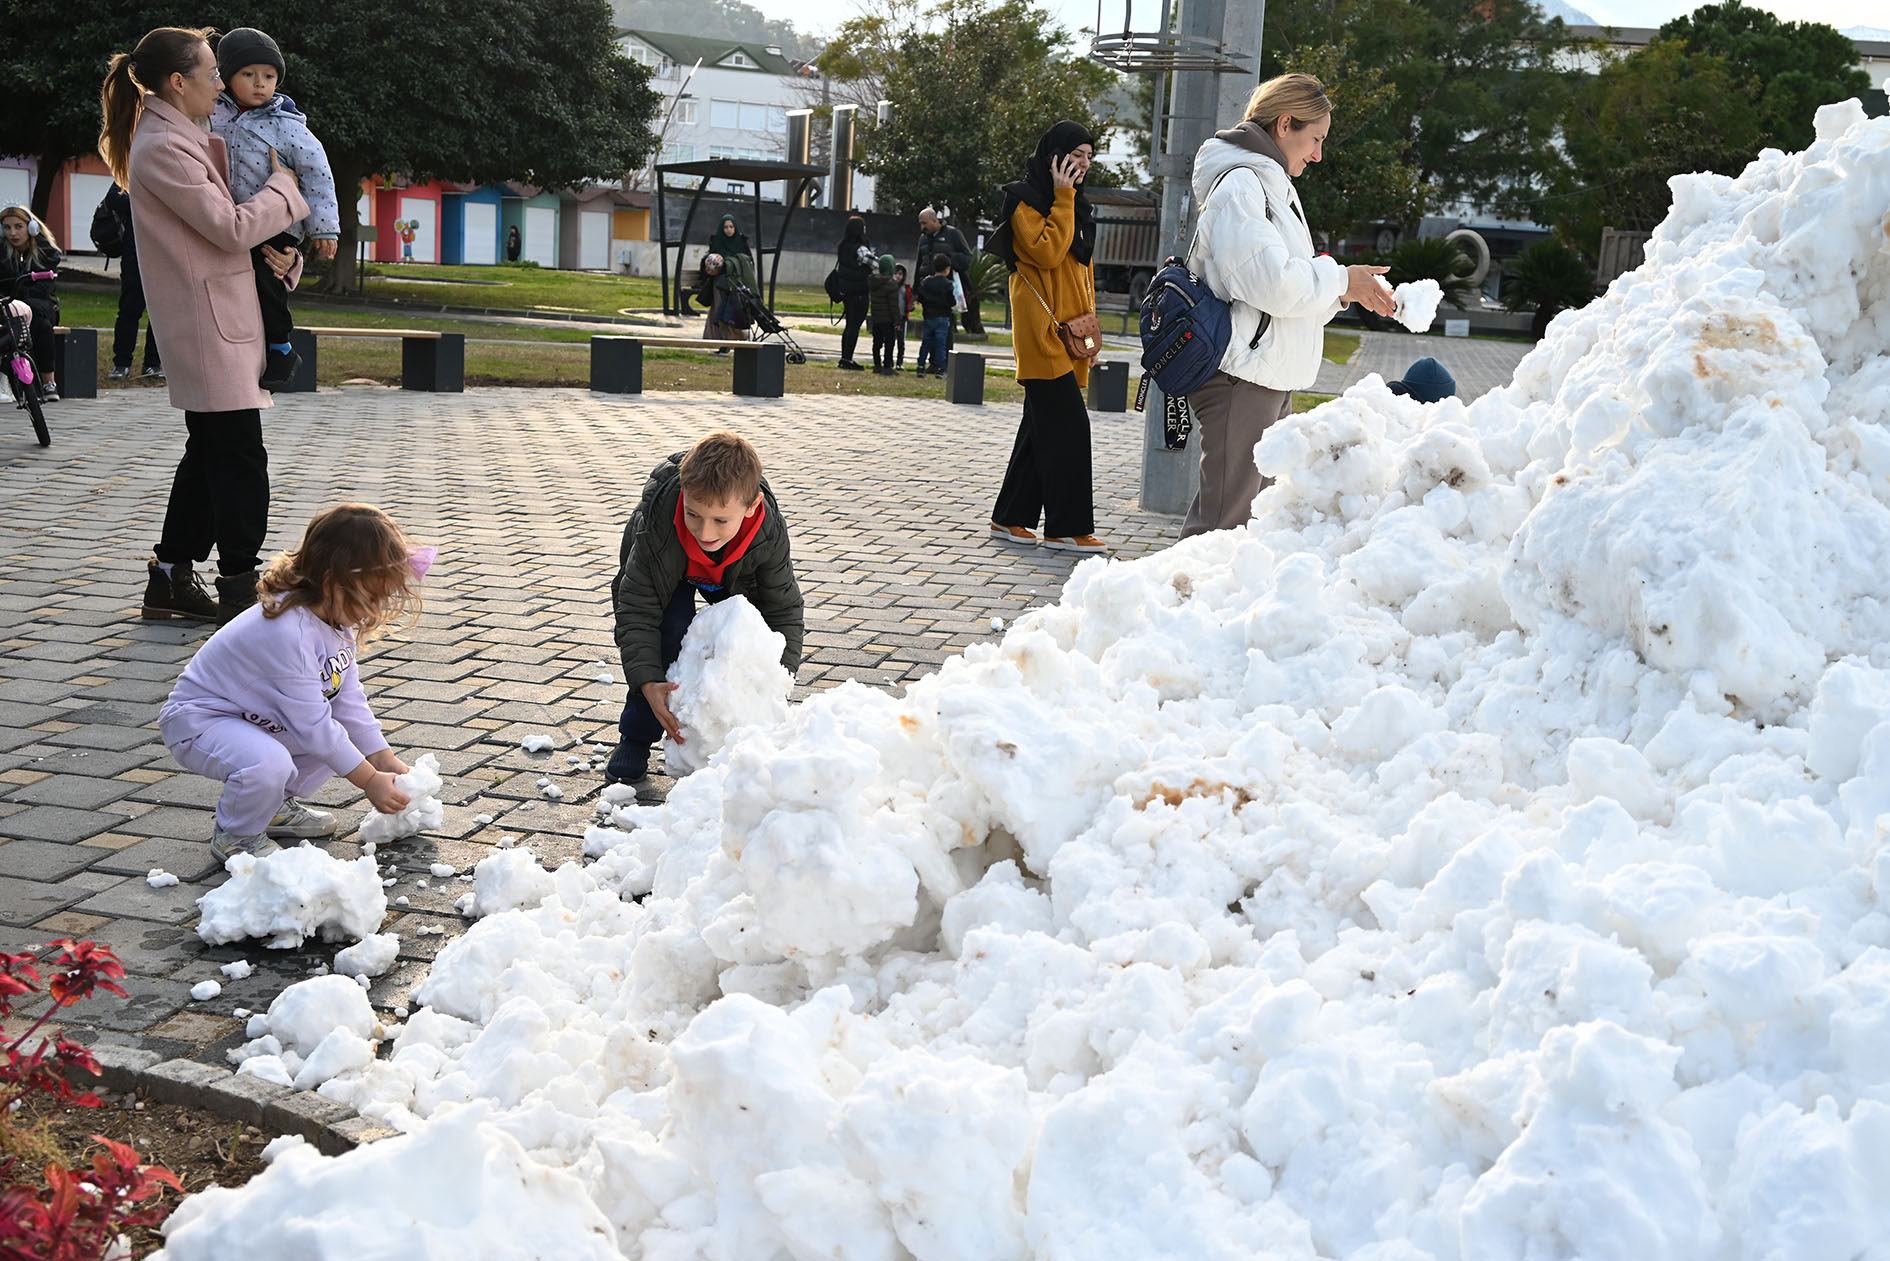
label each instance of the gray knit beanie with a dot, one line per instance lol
(247, 46)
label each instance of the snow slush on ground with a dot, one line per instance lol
(1479, 856)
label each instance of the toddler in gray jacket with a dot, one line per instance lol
(253, 118)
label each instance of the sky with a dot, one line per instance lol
(824, 16)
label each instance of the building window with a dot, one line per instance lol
(754, 116)
(739, 60)
(686, 112)
(678, 153)
(777, 120)
(725, 115)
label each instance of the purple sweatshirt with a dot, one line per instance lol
(293, 676)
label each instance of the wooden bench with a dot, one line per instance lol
(617, 363)
(1118, 304)
(75, 359)
(431, 361)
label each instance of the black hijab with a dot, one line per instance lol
(721, 243)
(1038, 191)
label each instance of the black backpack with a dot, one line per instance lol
(834, 292)
(108, 235)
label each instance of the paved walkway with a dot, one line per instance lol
(1479, 364)
(525, 492)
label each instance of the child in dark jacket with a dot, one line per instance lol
(883, 303)
(905, 315)
(938, 302)
(708, 523)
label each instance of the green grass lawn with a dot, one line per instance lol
(530, 355)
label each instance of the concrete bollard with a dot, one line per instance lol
(964, 378)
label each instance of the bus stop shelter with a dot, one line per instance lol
(797, 174)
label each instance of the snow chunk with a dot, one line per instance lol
(203, 991)
(1415, 303)
(158, 878)
(371, 956)
(290, 896)
(728, 676)
(538, 743)
(421, 783)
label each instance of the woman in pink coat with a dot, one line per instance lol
(193, 248)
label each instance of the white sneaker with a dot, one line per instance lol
(297, 821)
(226, 845)
(118, 374)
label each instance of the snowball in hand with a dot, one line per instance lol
(1415, 303)
(729, 675)
(422, 786)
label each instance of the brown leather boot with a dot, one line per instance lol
(179, 593)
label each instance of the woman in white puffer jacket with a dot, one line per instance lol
(1253, 247)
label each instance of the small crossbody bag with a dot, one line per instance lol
(1082, 336)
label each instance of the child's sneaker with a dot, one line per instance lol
(1080, 543)
(279, 370)
(1013, 534)
(118, 374)
(226, 845)
(298, 821)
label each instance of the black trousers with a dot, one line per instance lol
(1049, 470)
(271, 292)
(219, 494)
(882, 345)
(854, 309)
(130, 311)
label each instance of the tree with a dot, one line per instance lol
(1655, 113)
(1707, 94)
(1365, 174)
(1477, 92)
(529, 90)
(1786, 69)
(972, 90)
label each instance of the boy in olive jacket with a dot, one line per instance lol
(708, 523)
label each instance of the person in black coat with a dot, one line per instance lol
(130, 296)
(855, 261)
(512, 244)
(937, 237)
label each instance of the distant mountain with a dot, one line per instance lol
(1872, 33)
(716, 19)
(1567, 12)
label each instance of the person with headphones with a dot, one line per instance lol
(27, 246)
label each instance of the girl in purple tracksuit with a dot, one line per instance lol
(272, 704)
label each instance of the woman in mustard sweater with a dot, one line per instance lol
(1046, 235)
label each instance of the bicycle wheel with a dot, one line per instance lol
(28, 397)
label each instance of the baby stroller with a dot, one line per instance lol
(765, 323)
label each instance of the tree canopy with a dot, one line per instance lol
(1707, 94)
(1436, 101)
(973, 86)
(726, 19)
(529, 90)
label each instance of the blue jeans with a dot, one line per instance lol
(637, 727)
(932, 345)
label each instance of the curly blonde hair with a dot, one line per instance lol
(353, 569)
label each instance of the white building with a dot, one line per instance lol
(721, 98)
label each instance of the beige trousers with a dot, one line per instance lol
(1229, 416)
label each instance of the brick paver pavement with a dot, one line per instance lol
(525, 492)
(1479, 364)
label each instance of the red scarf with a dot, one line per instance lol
(703, 571)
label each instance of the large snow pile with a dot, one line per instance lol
(728, 675)
(1477, 857)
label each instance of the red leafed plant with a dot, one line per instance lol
(74, 1214)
